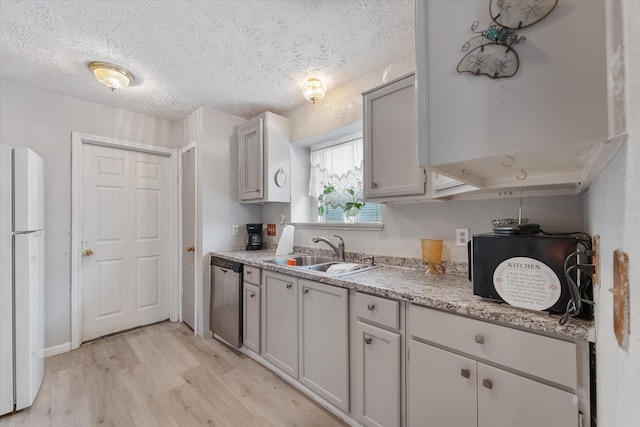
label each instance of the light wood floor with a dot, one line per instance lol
(162, 375)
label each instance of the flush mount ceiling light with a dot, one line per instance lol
(110, 75)
(313, 90)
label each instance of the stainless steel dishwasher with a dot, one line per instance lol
(226, 301)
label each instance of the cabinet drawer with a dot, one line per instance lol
(251, 275)
(548, 358)
(378, 310)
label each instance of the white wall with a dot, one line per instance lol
(343, 105)
(406, 224)
(612, 209)
(43, 121)
(219, 208)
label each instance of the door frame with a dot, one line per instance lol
(197, 244)
(77, 142)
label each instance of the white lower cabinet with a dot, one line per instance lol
(305, 334)
(379, 386)
(442, 388)
(506, 399)
(376, 361)
(448, 389)
(280, 321)
(324, 342)
(251, 324)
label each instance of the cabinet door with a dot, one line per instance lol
(251, 158)
(378, 359)
(324, 359)
(544, 106)
(506, 400)
(280, 329)
(390, 146)
(441, 388)
(251, 309)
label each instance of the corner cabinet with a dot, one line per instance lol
(468, 372)
(547, 127)
(264, 159)
(390, 166)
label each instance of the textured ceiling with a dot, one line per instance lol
(238, 57)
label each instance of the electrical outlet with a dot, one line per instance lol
(462, 236)
(234, 230)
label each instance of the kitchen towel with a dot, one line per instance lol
(344, 267)
(285, 245)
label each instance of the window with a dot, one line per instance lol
(336, 182)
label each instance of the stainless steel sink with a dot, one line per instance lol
(304, 260)
(320, 264)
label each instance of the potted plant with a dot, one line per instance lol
(352, 208)
(328, 189)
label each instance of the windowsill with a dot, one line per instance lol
(358, 226)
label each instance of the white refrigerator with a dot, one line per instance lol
(21, 277)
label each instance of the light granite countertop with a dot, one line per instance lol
(448, 292)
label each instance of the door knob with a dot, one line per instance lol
(190, 249)
(88, 252)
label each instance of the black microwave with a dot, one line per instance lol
(525, 271)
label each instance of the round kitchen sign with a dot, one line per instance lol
(527, 283)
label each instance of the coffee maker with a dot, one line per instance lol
(254, 242)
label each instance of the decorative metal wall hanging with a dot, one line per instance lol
(495, 57)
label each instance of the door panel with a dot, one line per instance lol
(125, 223)
(442, 387)
(251, 310)
(251, 161)
(324, 352)
(511, 400)
(379, 362)
(280, 333)
(188, 186)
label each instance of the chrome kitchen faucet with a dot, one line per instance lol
(339, 250)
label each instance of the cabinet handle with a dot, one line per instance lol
(306, 291)
(487, 383)
(374, 185)
(371, 306)
(257, 190)
(479, 339)
(367, 340)
(248, 272)
(289, 286)
(252, 295)
(465, 373)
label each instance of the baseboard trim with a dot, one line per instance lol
(57, 349)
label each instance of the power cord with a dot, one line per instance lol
(574, 305)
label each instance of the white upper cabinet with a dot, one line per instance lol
(264, 159)
(545, 127)
(390, 166)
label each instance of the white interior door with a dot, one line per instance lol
(125, 237)
(188, 187)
